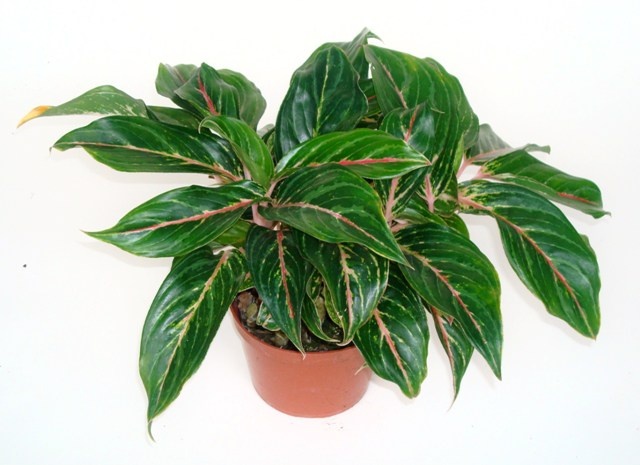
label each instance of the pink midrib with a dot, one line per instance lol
(536, 247)
(194, 218)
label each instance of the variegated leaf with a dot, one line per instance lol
(103, 100)
(334, 205)
(489, 146)
(398, 192)
(394, 342)
(355, 51)
(183, 319)
(456, 345)
(181, 220)
(170, 78)
(136, 144)
(174, 116)
(371, 154)
(451, 274)
(550, 257)
(403, 81)
(521, 168)
(323, 97)
(265, 319)
(248, 146)
(279, 274)
(355, 279)
(209, 94)
(251, 103)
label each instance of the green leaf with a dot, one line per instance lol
(371, 154)
(236, 235)
(544, 249)
(175, 116)
(134, 144)
(279, 274)
(394, 342)
(398, 192)
(417, 212)
(451, 274)
(251, 103)
(355, 51)
(181, 220)
(170, 78)
(103, 100)
(209, 94)
(248, 146)
(265, 319)
(523, 169)
(403, 81)
(314, 312)
(454, 342)
(489, 146)
(354, 276)
(183, 320)
(323, 97)
(333, 204)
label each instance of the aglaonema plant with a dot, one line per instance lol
(344, 216)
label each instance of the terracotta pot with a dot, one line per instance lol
(319, 385)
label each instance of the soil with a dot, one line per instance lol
(248, 304)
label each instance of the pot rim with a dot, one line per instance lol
(246, 334)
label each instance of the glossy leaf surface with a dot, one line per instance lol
(455, 344)
(355, 279)
(279, 274)
(323, 97)
(551, 258)
(403, 81)
(394, 342)
(247, 145)
(174, 116)
(251, 103)
(136, 144)
(334, 205)
(183, 319)
(523, 169)
(103, 100)
(355, 51)
(170, 78)
(489, 146)
(181, 220)
(451, 274)
(209, 94)
(371, 154)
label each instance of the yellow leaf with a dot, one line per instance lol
(37, 111)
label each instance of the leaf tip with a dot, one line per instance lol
(37, 111)
(149, 424)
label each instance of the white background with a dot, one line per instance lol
(71, 309)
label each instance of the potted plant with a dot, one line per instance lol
(342, 219)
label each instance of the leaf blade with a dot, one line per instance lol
(334, 205)
(279, 275)
(394, 342)
(371, 154)
(549, 256)
(451, 274)
(102, 100)
(523, 169)
(183, 320)
(133, 144)
(181, 220)
(354, 276)
(249, 147)
(324, 96)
